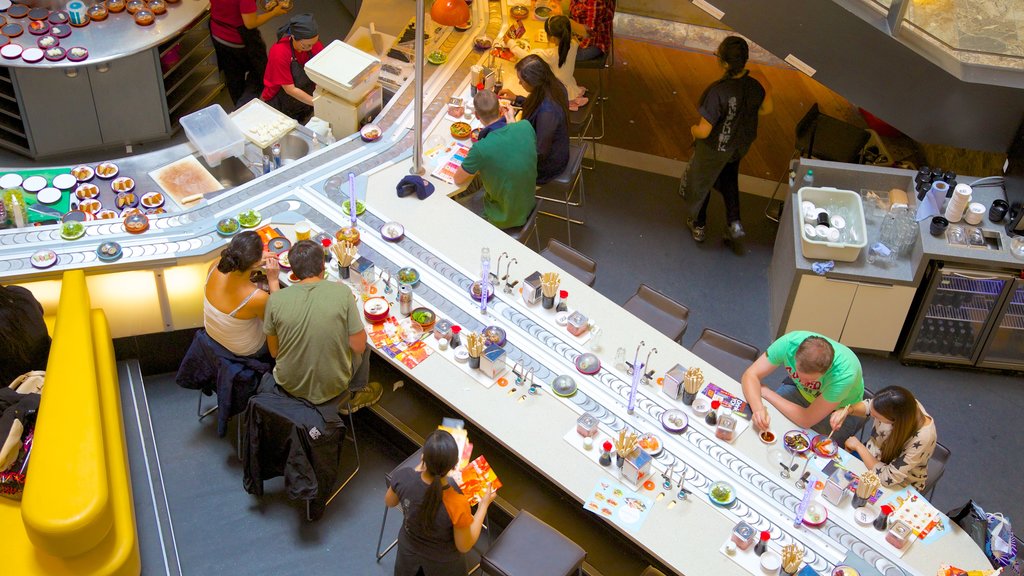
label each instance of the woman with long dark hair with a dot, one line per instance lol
(24, 341)
(233, 306)
(902, 437)
(561, 57)
(729, 109)
(438, 528)
(547, 109)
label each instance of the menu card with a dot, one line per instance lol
(474, 479)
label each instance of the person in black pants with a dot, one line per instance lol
(241, 52)
(729, 110)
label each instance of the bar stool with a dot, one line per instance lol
(936, 468)
(355, 445)
(410, 462)
(529, 228)
(563, 187)
(603, 66)
(529, 547)
(859, 433)
(580, 123)
(726, 353)
(663, 313)
(572, 261)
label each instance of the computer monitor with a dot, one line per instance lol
(1013, 177)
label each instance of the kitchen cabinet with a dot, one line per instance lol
(860, 315)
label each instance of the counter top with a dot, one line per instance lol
(908, 269)
(116, 37)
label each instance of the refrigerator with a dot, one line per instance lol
(969, 317)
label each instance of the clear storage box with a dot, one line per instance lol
(214, 134)
(846, 203)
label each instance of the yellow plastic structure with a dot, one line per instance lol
(76, 515)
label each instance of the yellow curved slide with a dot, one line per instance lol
(76, 515)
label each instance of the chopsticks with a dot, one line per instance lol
(846, 412)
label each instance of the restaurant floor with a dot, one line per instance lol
(636, 234)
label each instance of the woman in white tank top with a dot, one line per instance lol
(232, 305)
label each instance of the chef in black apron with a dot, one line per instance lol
(286, 85)
(241, 52)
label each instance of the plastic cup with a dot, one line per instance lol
(302, 231)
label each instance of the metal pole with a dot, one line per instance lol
(417, 102)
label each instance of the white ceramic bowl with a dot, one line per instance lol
(701, 405)
(770, 562)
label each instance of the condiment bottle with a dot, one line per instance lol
(404, 299)
(712, 415)
(455, 340)
(498, 84)
(882, 521)
(762, 545)
(606, 454)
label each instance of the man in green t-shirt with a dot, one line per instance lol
(823, 375)
(314, 331)
(506, 159)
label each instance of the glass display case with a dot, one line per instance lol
(1005, 347)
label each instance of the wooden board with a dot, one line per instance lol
(184, 178)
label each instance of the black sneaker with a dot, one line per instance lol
(362, 398)
(699, 233)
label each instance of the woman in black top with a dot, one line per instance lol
(729, 110)
(24, 341)
(547, 109)
(438, 528)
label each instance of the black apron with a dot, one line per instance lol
(288, 105)
(255, 50)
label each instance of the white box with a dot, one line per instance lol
(344, 71)
(214, 134)
(851, 204)
(258, 113)
(345, 117)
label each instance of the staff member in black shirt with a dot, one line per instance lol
(729, 110)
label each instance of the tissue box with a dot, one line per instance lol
(672, 384)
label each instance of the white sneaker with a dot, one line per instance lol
(736, 230)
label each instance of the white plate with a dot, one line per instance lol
(32, 55)
(49, 195)
(34, 184)
(64, 181)
(10, 180)
(11, 51)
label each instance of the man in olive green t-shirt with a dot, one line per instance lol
(823, 375)
(506, 159)
(315, 333)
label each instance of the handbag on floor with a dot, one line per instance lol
(991, 532)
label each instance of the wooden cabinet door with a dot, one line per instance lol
(877, 316)
(821, 305)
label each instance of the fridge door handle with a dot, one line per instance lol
(975, 277)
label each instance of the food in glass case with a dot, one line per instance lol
(157, 6)
(116, 6)
(98, 12)
(144, 18)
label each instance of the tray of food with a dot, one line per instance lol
(262, 124)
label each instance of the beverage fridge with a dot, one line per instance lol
(969, 317)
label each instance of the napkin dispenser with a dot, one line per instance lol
(492, 361)
(672, 383)
(532, 288)
(637, 467)
(836, 487)
(364, 268)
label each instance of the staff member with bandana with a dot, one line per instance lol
(286, 85)
(241, 52)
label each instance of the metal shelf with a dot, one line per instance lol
(187, 53)
(199, 69)
(971, 286)
(197, 100)
(975, 315)
(199, 84)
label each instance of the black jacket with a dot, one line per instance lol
(287, 436)
(210, 367)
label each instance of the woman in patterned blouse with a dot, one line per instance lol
(902, 437)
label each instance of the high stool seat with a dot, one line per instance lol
(572, 261)
(562, 188)
(529, 228)
(663, 313)
(582, 120)
(726, 353)
(529, 547)
(411, 462)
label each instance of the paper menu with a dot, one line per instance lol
(465, 447)
(474, 479)
(910, 507)
(447, 169)
(619, 505)
(715, 393)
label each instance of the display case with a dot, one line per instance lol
(955, 316)
(1005, 345)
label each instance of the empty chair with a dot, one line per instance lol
(936, 468)
(529, 547)
(572, 261)
(652, 571)
(726, 353)
(663, 313)
(523, 233)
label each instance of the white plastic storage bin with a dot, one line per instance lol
(344, 70)
(214, 134)
(846, 201)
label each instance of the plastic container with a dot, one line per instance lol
(344, 70)
(214, 134)
(847, 202)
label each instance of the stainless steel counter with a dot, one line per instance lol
(116, 37)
